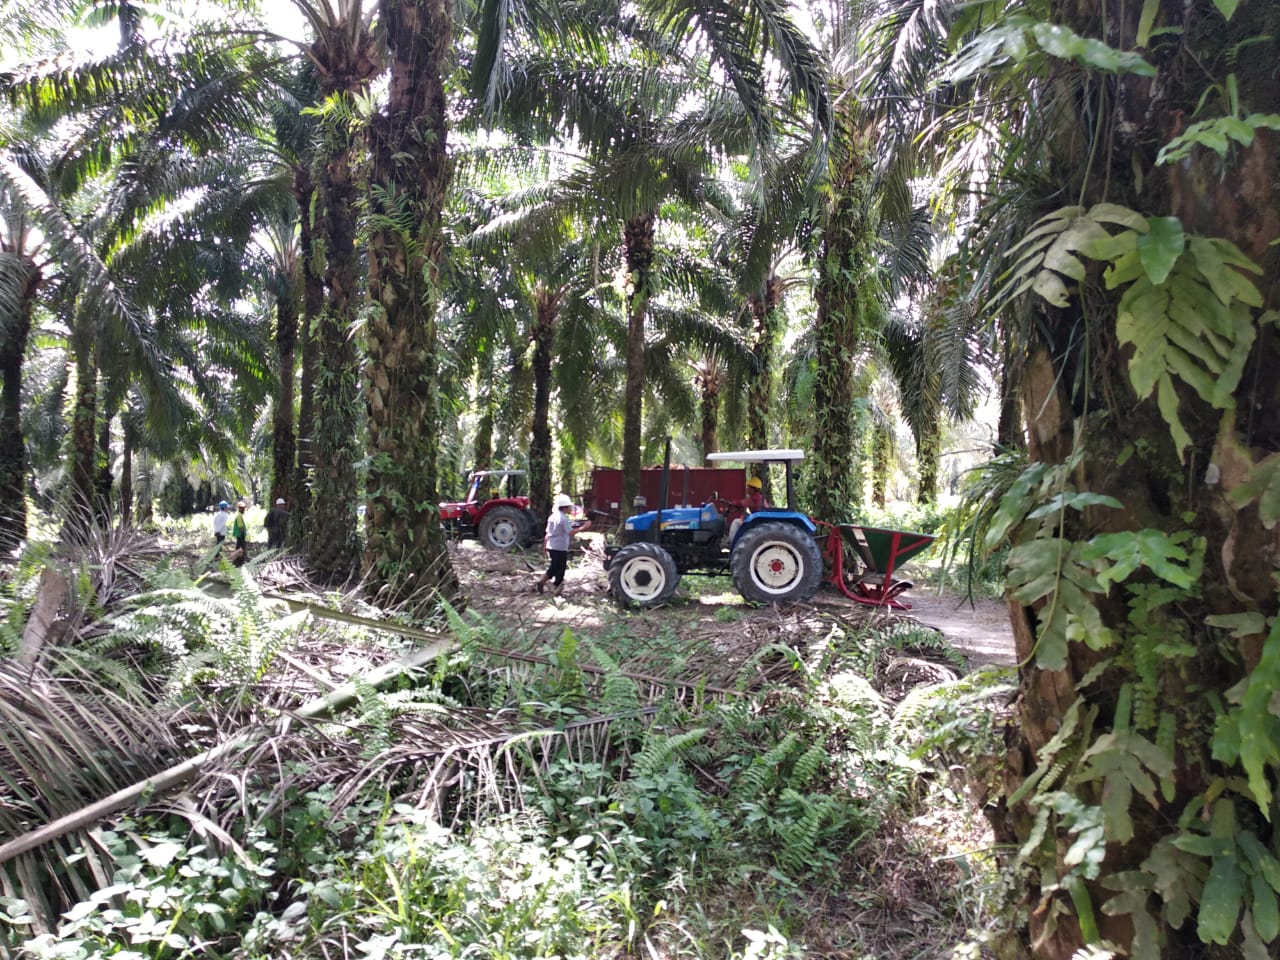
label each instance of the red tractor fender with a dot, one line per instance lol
(520, 503)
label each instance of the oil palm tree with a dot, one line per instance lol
(405, 554)
(21, 274)
(132, 275)
(1169, 439)
(618, 113)
(344, 53)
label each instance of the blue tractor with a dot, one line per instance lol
(773, 556)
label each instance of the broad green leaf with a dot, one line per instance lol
(1060, 259)
(1220, 261)
(1142, 319)
(1050, 286)
(1058, 41)
(1176, 876)
(1167, 400)
(1014, 505)
(1227, 7)
(1264, 863)
(1239, 131)
(1241, 625)
(1046, 226)
(1075, 501)
(1125, 269)
(1129, 550)
(987, 48)
(1223, 893)
(1196, 307)
(1117, 794)
(1259, 728)
(1263, 485)
(1161, 247)
(1146, 20)
(1229, 379)
(1132, 901)
(1123, 216)
(1111, 247)
(1221, 900)
(1266, 912)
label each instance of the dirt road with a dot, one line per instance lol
(501, 585)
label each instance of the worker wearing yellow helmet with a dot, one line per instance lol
(753, 501)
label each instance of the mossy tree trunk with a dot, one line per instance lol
(881, 462)
(84, 442)
(126, 480)
(284, 441)
(638, 237)
(709, 380)
(1138, 800)
(928, 456)
(312, 304)
(767, 325)
(547, 303)
(847, 295)
(348, 60)
(13, 451)
(406, 557)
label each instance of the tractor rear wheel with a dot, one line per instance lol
(642, 575)
(502, 528)
(776, 563)
(532, 527)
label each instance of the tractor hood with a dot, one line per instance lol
(674, 518)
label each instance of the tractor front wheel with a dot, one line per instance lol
(642, 575)
(776, 563)
(502, 528)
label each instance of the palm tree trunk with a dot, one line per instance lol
(639, 236)
(333, 548)
(482, 448)
(767, 313)
(881, 462)
(1147, 673)
(13, 451)
(847, 298)
(84, 445)
(104, 476)
(283, 440)
(928, 453)
(547, 305)
(406, 556)
(709, 405)
(1009, 433)
(312, 305)
(126, 482)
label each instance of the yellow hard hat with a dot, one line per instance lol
(754, 482)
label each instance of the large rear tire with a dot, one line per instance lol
(643, 575)
(502, 528)
(532, 528)
(776, 563)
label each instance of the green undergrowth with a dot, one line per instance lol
(575, 810)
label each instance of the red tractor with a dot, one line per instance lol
(493, 512)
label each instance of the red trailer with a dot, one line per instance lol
(688, 486)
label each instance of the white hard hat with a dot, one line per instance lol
(280, 502)
(562, 501)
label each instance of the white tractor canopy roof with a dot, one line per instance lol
(499, 473)
(757, 456)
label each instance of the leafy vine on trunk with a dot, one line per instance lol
(1139, 792)
(848, 298)
(406, 556)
